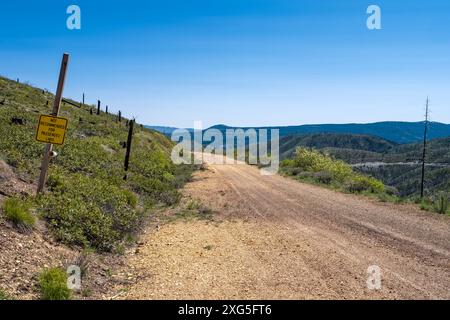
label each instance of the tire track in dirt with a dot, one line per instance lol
(335, 225)
(273, 237)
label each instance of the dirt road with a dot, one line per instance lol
(275, 238)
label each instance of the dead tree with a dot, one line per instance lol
(424, 151)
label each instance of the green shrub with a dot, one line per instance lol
(131, 198)
(287, 163)
(359, 183)
(86, 292)
(383, 197)
(392, 191)
(426, 204)
(314, 161)
(54, 181)
(18, 213)
(4, 295)
(194, 210)
(183, 174)
(324, 177)
(315, 166)
(291, 171)
(193, 205)
(305, 175)
(441, 204)
(155, 190)
(90, 212)
(53, 285)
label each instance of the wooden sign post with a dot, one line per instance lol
(55, 113)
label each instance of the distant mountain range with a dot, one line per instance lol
(393, 131)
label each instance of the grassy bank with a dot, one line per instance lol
(88, 203)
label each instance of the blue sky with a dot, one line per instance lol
(238, 62)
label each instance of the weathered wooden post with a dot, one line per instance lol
(120, 116)
(98, 107)
(127, 154)
(106, 109)
(56, 107)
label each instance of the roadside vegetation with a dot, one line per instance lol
(18, 213)
(397, 165)
(317, 167)
(312, 166)
(53, 285)
(4, 295)
(88, 203)
(192, 210)
(439, 203)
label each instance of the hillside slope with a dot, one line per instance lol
(88, 204)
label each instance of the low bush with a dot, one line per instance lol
(4, 295)
(314, 161)
(314, 166)
(90, 212)
(359, 183)
(192, 210)
(291, 171)
(17, 211)
(53, 285)
(441, 203)
(426, 204)
(392, 191)
(305, 175)
(324, 177)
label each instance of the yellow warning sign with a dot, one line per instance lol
(51, 129)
